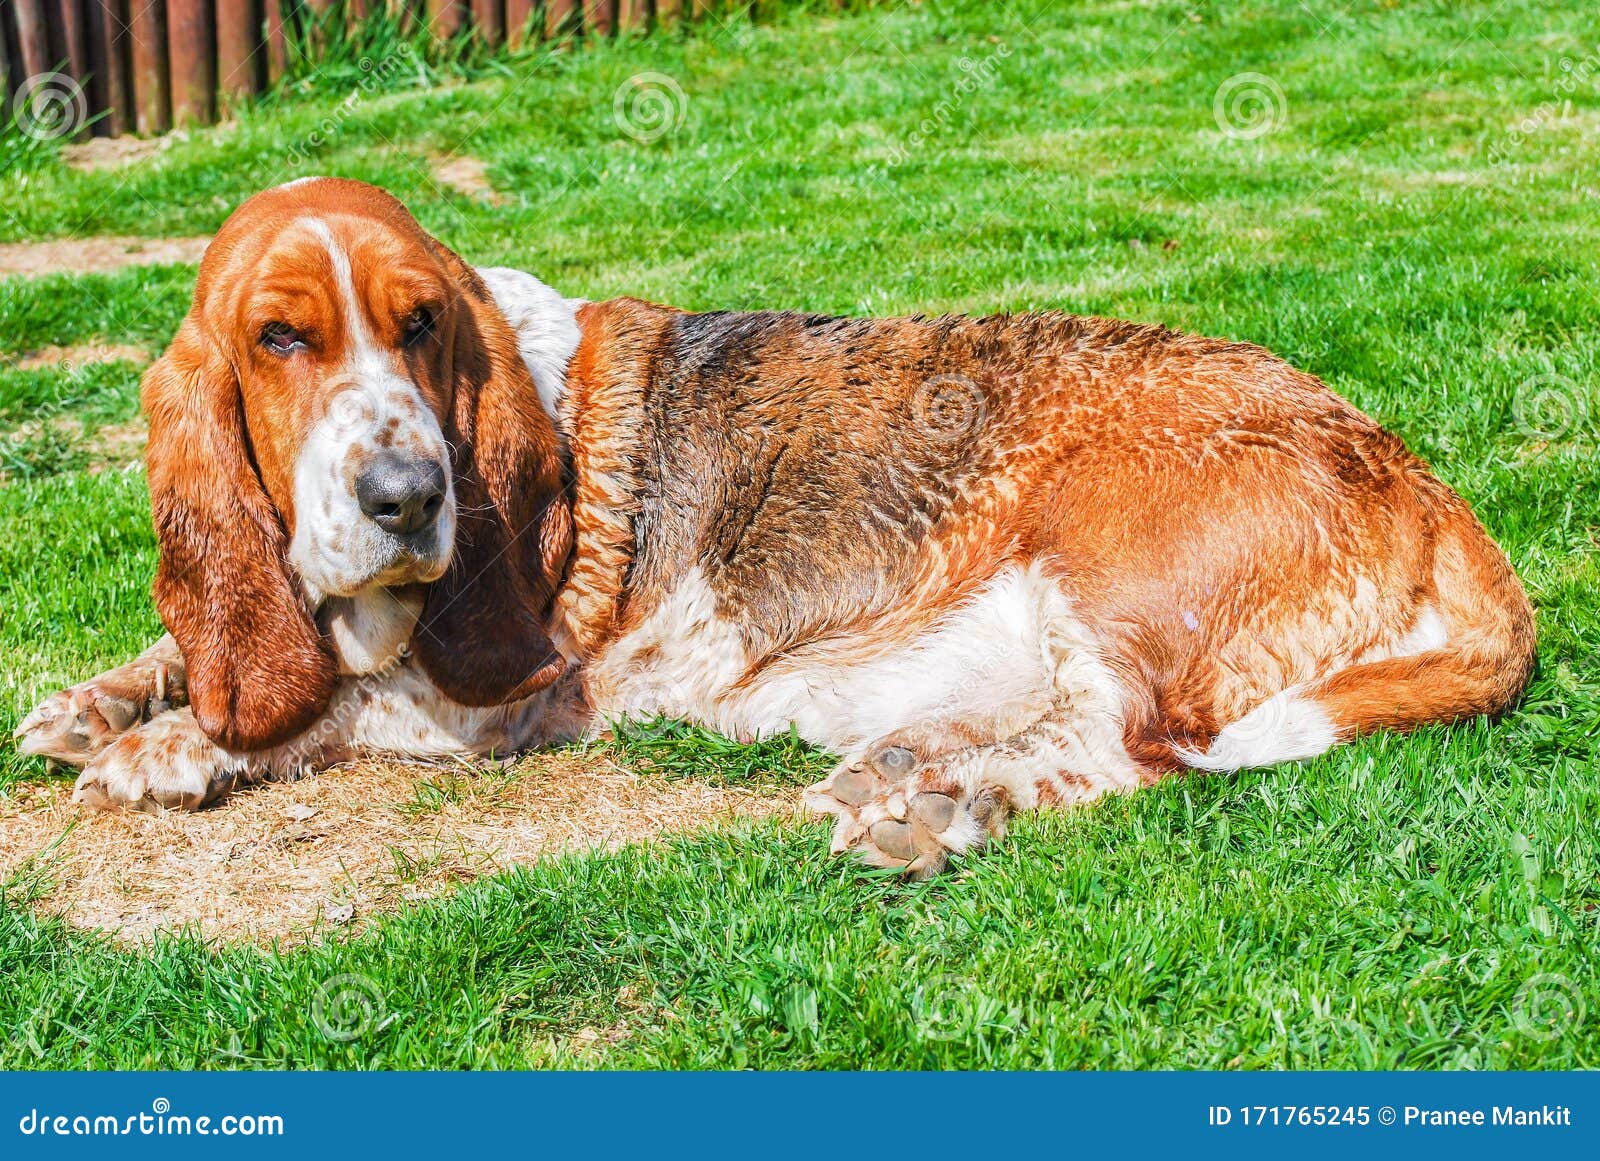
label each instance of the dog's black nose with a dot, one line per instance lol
(402, 494)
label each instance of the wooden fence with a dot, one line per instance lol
(146, 66)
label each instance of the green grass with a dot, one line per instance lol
(1420, 230)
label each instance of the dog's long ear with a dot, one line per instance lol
(258, 670)
(481, 636)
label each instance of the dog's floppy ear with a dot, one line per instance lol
(481, 636)
(258, 670)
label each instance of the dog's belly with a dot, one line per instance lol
(993, 661)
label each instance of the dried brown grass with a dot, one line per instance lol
(95, 255)
(466, 175)
(82, 355)
(290, 861)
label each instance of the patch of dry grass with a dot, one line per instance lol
(95, 255)
(466, 175)
(82, 355)
(289, 861)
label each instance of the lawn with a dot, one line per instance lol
(1401, 198)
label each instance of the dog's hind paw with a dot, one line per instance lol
(893, 810)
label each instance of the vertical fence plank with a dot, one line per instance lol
(95, 90)
(33, 38)
(445, 18)
(152, 97)
(488, 21)
(8, 54)
(632, 15)
(704, 8)
(238, 62)
(277, 41)
(118, 84)
(599, 17)
(668, 12)
(74, 44)
(519, 21)
(558, 18)
(194, 77)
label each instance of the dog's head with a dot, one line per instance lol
(344, 412)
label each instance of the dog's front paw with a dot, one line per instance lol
(76, 724)
(166, 764)
(895, 810)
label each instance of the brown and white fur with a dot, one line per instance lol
(992, 563)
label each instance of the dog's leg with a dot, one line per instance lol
(945, 782)
(169, 763)
(76, 724)
(906, 805)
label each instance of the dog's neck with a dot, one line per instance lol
(371, 631)
(547, 330)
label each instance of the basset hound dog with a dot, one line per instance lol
(407, 507)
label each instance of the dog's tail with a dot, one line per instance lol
(1470, 653)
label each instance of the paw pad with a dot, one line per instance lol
(894, 763)
(894, 839)
(934, 811)
(890, 815)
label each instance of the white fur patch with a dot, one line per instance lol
(1427, 635)
(371, 630)
(1011, 656)
(547, 329)
(1285, 728)
(985, 662)
(336, 549)
(679, 661)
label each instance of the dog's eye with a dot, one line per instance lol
(281, 338)
(419, 326)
